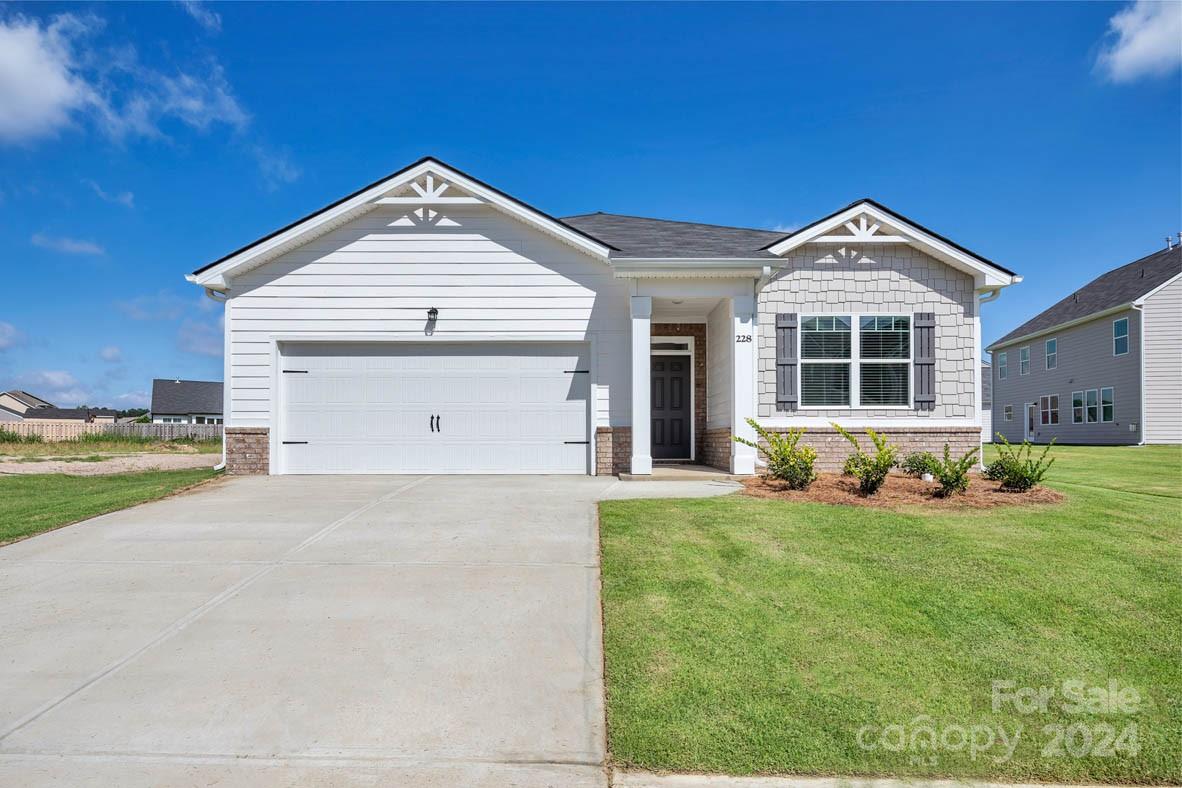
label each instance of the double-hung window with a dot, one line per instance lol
(1003, 368)
(884, 350)
(1107, 405)
(825, 358)
(1024, 361)
(1120, 336)
(1052, 352)
(1007, 413)
(1049, 406)
(1077, 407)
(1093, 406)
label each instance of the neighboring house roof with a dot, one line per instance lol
(8, 414)
(70, 414)
(29, 400)
(1118, 288)
(182, 397)
(639, 236)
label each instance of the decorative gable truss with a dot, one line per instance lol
(425, 188)
(865, 223)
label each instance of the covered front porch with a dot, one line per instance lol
(693, 356)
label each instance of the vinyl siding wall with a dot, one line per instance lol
(1163, 365)
(485, 272)
(1085, 361)
(886, 280)
(720, 368)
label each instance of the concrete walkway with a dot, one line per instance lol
(314, 631)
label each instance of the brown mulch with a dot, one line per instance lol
(899, 491)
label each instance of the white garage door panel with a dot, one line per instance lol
(502, 408)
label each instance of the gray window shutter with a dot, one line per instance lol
(786, 395)
(924, 328)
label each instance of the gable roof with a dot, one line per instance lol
(362, 201)
(70, 414)
(640, 236)
(182, 397)
(1109, 291)
(27, 399)
(6, 411)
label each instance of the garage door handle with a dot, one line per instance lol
(431, 421)
(438, 424)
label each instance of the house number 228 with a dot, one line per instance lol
(742, 338)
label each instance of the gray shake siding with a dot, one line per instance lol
(881, 279)
(1085, 361)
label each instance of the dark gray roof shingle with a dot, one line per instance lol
(182, 397)
(1115, 288)
(74, 414)
(638, 236)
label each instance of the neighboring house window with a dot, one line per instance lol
(1007, 413)
(825, 361)
(1077, 407)
(1003, 369)
(1093, 407)
(1052, 348)
(1024, 361)
(1107, 405)
(171, 420)
(1120, 336)
(884, 350)
(1049, 405)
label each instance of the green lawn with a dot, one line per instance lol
(750, 636)
(35, 503)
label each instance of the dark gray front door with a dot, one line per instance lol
(671, 407)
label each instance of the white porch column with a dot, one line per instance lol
(743, 399)
(642, 314)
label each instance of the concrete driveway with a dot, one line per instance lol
(314, 630)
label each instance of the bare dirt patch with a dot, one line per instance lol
(100, 465)
(898, 492)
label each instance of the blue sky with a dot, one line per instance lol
(139, 141)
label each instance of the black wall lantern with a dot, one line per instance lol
(432, 314)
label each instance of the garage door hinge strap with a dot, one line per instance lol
(288, 443)
(577, 371)
(580, 443)
(295, 371)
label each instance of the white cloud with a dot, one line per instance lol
(1144, 39)
(163, 305)
(201, 337)
(276, 167)
(40, 87)
(208, 19)
(122, 198)
(133, 399)
(780, 227)
(57, 386)
(111, 354)
(9, 336)
(66, 245)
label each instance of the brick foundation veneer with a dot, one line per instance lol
(832, 449)
(716, 448)
(248, 451)
(613, 450)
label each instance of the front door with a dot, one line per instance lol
(1031, 414)
(670, 404)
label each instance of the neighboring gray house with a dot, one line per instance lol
(186, 401)
(1102, 366)
(431, 323)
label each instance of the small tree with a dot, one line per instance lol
(786, 461)
(870, 470)
(953, 475)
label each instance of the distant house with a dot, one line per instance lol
(1102, 366)
(59, 415)
(186, 402)
(7, 414)
(986, 402)
(19, 402)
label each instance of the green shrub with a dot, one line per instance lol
(997, 470)
(953, 475)
(1019, 470)
(8, 436)
(786, 461)
(870, 470)
(920, 463)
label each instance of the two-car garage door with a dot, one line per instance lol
(437, 408)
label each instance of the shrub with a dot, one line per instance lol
(1019, 470)
(786, 461)
(953, 475)
(920, 463)
(870, 470)
(9, 436)
(997, 470)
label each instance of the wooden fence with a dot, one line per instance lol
(73, 430)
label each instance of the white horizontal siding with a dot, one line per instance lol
(1162, 334)
(485, 272)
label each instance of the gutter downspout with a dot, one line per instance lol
(221, 466)
(1140, 309)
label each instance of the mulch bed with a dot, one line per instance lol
(899, 491)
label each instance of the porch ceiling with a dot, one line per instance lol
(674, 310)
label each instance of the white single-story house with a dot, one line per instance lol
(431, 323)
